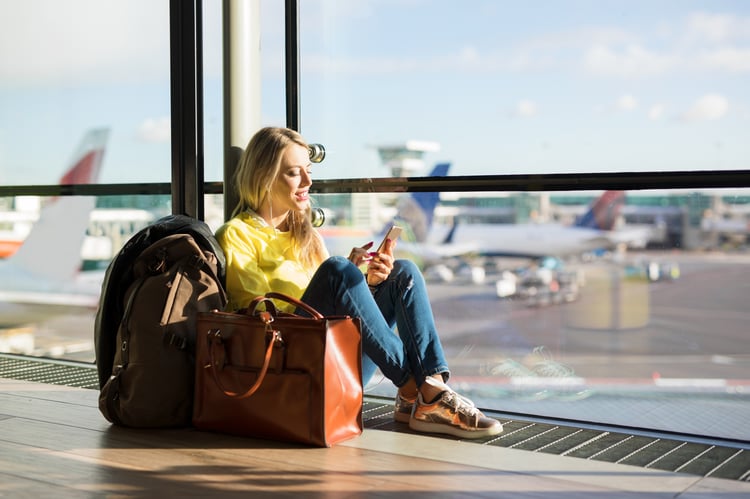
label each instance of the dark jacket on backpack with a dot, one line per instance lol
(144, 331)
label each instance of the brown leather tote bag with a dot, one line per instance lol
(279, 376)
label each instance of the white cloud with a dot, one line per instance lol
(470, 55)
(702, 42)
(525, 109)
(155, 130)
(656, 111)
(627, 103)
(467, 58)
(707, 108)
(730, 59)
(716, 28)
(51, 41)
(630, 61)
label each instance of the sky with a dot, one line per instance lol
(503, 87)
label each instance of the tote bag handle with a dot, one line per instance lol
(267, 299)
(215, 341)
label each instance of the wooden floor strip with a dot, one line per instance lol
(55, 443)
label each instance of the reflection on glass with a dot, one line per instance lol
(55, 252)
(640, 333)
(631, 312)
(639, 323)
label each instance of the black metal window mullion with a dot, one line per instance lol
(186, 74)
(292, 64)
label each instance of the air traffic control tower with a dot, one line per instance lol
(402, 160)
(406, 160)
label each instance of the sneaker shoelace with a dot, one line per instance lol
(460, 404)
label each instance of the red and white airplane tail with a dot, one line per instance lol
(52, 250)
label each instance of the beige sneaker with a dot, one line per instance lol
(404, 407)
(452, 414)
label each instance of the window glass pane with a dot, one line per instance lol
(54, 254)
(273, 82)
(541, 312)
(213, 121)
(67, 67)
(528, 87)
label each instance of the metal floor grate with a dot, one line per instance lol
(667, 453)
(53, 372)
(663, 453)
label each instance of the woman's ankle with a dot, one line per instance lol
(431, 391)
(408, 390)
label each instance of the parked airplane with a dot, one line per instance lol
(41, 279)
(431, 244)
(594, 230)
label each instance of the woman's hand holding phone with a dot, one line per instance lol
(381, 263)
(360, 256)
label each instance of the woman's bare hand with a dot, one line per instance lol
(359, 256)
(381, 265)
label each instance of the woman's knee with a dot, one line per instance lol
(406, 268)
(407, 274)
(342, 268)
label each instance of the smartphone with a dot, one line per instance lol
(392, 234)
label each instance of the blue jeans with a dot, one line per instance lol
(339, 288)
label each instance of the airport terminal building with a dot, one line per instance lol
(571, 179)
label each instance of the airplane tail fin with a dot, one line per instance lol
(418, 209)
(53, 247)
(603, 212)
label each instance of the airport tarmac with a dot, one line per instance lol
(671, 355)
(620, 327)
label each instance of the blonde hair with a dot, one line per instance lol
(258, 169)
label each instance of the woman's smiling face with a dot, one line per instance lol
(291, 188)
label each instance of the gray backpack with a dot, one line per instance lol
(153, 371)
